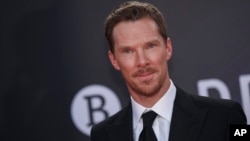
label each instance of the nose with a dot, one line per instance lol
(142, 59)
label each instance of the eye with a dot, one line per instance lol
(151, 46)
(127, 50)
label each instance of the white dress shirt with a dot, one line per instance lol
(163, 107)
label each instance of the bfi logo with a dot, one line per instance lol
(239, 132)
(93, 104)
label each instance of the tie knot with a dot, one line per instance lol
(148, 118)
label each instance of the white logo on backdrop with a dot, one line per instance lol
(93, 104)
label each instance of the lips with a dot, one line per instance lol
(145, 78)
(145, 74)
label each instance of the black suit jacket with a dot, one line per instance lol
(194, 118)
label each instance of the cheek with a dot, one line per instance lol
(159, 58)
(126, 65)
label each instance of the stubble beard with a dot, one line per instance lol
(148, 88)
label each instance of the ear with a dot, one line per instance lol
(169, 49)
(113, 60)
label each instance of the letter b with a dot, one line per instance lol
(91, 105)
(92, 100)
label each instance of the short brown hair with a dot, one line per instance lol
(133, 10)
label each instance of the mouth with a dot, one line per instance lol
(145, 75)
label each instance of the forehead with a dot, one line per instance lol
(129, 33)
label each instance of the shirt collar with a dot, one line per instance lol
(163, 107)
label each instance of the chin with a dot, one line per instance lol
(148, 90)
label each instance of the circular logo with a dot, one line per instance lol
(93, 104)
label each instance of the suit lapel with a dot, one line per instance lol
(186, 124)
(187, 119)
(121, 129)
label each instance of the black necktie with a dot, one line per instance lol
(147, 133)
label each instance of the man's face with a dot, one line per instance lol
(141, 54)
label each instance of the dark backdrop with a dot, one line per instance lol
(52, 51)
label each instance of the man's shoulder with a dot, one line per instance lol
(114, 119)
(209, 102)
(216, 108)
(214, 103)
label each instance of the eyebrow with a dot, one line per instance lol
(145, 43)
(153, 41)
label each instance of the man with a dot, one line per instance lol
(140, 50)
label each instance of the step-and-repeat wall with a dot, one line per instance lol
(56, 81)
